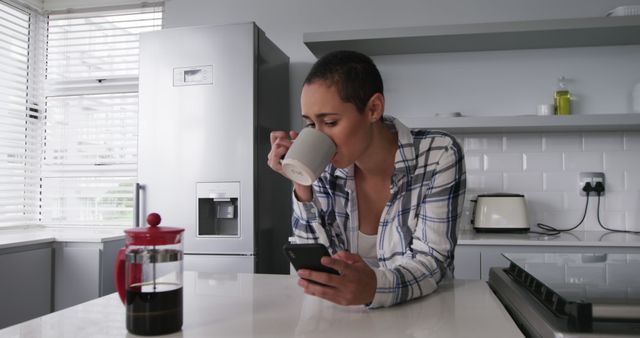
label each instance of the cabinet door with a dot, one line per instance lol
(467, 262)
(77, 274)
(492, 255)
(25, 285)
(109, 252)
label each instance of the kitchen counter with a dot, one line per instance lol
(572, 238)
(476, 252)
(20, 237)
(59, 268)
(258, 305)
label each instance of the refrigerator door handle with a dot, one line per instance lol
(137, 205)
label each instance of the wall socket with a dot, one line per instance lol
(593, 178)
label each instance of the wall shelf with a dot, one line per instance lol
(527, 123)
(556, 33)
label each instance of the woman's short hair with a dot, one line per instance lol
(354, 75)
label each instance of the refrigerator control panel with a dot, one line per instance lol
(192, 76)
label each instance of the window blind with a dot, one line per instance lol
(90, 138)
(20, 119)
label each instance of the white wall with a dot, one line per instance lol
(35, 4)
(491, 83)
(543, 166)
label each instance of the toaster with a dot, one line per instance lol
(500, 212)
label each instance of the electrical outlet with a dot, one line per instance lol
(591, 177)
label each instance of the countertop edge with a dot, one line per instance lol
(26, 242)
(38, 236)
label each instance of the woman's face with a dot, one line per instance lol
(350, 130)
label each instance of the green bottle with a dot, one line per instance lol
(563, 98)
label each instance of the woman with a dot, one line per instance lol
(387, 205)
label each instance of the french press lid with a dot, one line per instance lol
(153, 234)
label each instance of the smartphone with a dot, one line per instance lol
(307, 256)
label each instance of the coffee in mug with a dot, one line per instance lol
(308, 156)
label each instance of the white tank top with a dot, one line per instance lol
(367, 248)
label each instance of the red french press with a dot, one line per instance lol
(148, 277)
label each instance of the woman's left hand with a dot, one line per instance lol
(355, 285)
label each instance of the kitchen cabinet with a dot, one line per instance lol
(467, 263)
(474, 261)
(528, 123)
(536, 34)
(83, 271)
(25, 283)
(475, 37)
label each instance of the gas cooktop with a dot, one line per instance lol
(571, 294)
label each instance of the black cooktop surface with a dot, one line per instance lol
(586, 277)
(582, 286)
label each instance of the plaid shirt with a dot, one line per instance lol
(417, 229)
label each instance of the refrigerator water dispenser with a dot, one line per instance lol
(218, 209)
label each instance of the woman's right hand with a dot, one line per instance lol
(280, 144)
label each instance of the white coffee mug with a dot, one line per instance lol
(308, 156)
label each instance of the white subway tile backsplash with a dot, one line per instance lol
(562, 219)
(590, 224)
(474, 162)
(603, 141)
(621, 160)
(484, 182)
(560, 181)
(483, 143)
(619, 200)
(503, 162)
(632, 140)
(614, 201)
(539, 202)
(542, 161)
(561, 142)
(573, 201)
(583, 161)
(534, 218)
(614, 180)
(522, 182)
(632, 220)
(632, 180)
(612, 220)
(522, 143)
(545, 168)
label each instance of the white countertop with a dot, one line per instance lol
(18, 237)
(255, 305)
(572, 238)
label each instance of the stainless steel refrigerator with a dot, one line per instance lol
(209, 96)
